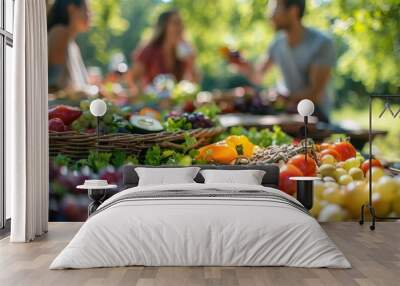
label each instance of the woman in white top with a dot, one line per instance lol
(66, 19)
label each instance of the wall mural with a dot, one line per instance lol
(157, 108)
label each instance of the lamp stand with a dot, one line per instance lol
(98, 132)
(305, 136)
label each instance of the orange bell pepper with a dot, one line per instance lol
(219, 152)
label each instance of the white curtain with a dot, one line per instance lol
(26, 124)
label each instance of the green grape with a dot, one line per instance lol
(108, 118)
(77, 126)
(87, 116)
(351, 163)
(84, 105)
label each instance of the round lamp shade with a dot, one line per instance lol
(305, 107)
(98, 107)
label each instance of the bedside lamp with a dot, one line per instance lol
(98, 108)
(305, 108)
(305, 185)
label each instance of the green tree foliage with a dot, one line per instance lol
(212, 24)
(107, 21)
(366, 34)
(371, 31)
(116, 26)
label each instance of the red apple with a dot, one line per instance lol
(56, 124)
(67, 114)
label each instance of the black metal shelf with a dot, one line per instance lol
(369, 206)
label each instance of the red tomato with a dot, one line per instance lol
(331, 151)
(285, 184)
(345, 149)
(308, 168)
(374, 162)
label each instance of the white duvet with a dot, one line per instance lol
(200, 231)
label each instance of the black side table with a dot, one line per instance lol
(96, 194)
(305, 190)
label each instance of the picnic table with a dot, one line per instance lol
(292, 123)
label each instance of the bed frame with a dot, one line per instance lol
(271, 178)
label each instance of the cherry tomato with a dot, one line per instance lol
(285, 184)
(307, 167)
(374, 163)
(345, 149)
(333, 152)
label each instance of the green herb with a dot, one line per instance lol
(238, 130)
(177, 124)
(189, 143)
(78, 165)
(174, 159)
(279, 137)
(167, 153)
(118, 158)
(263, 138)
(132, 160)
(193, 153)
(185, 161)
(98, 160)
(201, 162)
(153, 156)
(209, 110)
(62, 160)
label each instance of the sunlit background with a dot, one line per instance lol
(366, 37)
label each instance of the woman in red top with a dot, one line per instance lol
(166, 53)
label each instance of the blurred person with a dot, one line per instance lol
(166, 53)
(114, 84)
(117, 68)
(66, 19)
(304, 55)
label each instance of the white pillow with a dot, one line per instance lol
(166, 176)
(247, 177)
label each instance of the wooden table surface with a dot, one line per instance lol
(291, 124)
(375, 257)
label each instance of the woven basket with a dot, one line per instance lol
(77, 145)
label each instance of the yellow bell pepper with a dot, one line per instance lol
(236, 141)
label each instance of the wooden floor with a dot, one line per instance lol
(375, 257)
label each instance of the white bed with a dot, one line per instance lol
(270, 229)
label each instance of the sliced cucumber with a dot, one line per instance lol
(145, 124)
